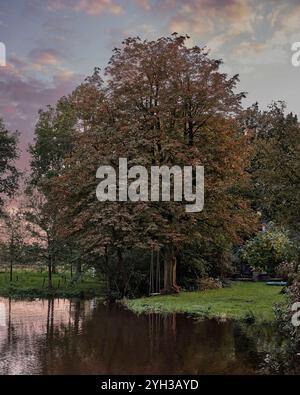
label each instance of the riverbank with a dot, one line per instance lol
(242, 301)
(34, 284)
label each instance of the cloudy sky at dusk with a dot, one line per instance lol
(53, 44)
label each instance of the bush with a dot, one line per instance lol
(294, 289)
(286, 270)
(208, 283)
(267, 250)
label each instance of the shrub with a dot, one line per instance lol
(294, 289)
(208, 283)
(267, 250)
(286, 270)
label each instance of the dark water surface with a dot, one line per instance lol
(87, 337)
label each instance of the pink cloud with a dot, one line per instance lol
(56, 5)
(211, 16)
(90, 7)
(97, 7)
(43, 57)
(145, 4)
(23, 98)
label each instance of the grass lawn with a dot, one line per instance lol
(33, 284)
(240, 301)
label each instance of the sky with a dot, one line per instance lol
(52, 45)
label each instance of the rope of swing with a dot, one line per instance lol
(154, 280)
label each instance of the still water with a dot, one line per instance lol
(86, 337)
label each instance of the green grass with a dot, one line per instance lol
(31, 284)
(238, 302)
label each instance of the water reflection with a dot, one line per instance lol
(85, 337)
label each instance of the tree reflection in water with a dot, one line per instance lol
(86, 337)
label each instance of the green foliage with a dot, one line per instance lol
(54, 134)
(275, 140)
(201, 259)
(8, 154)
(135, 270)
(12, 236)
(268, 249)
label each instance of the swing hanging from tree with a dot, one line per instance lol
(169, 273)
(155, 280)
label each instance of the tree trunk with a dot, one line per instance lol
(78, 269)
(124, 285)
(191, 133)
(54, 271)
(11, 270)
(12, 258)
(50, 255)
(108, 275)
(49, 272)
(170, 285)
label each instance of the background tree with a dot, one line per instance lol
(53, 142)
(8, 154)
(275, 169)
(41, 221)
(13, 238)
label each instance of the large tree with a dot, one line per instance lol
(162, 104)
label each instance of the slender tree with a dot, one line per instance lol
(41, 223)
(13, 234)
(8, 154)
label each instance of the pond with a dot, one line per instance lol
(59, 336)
